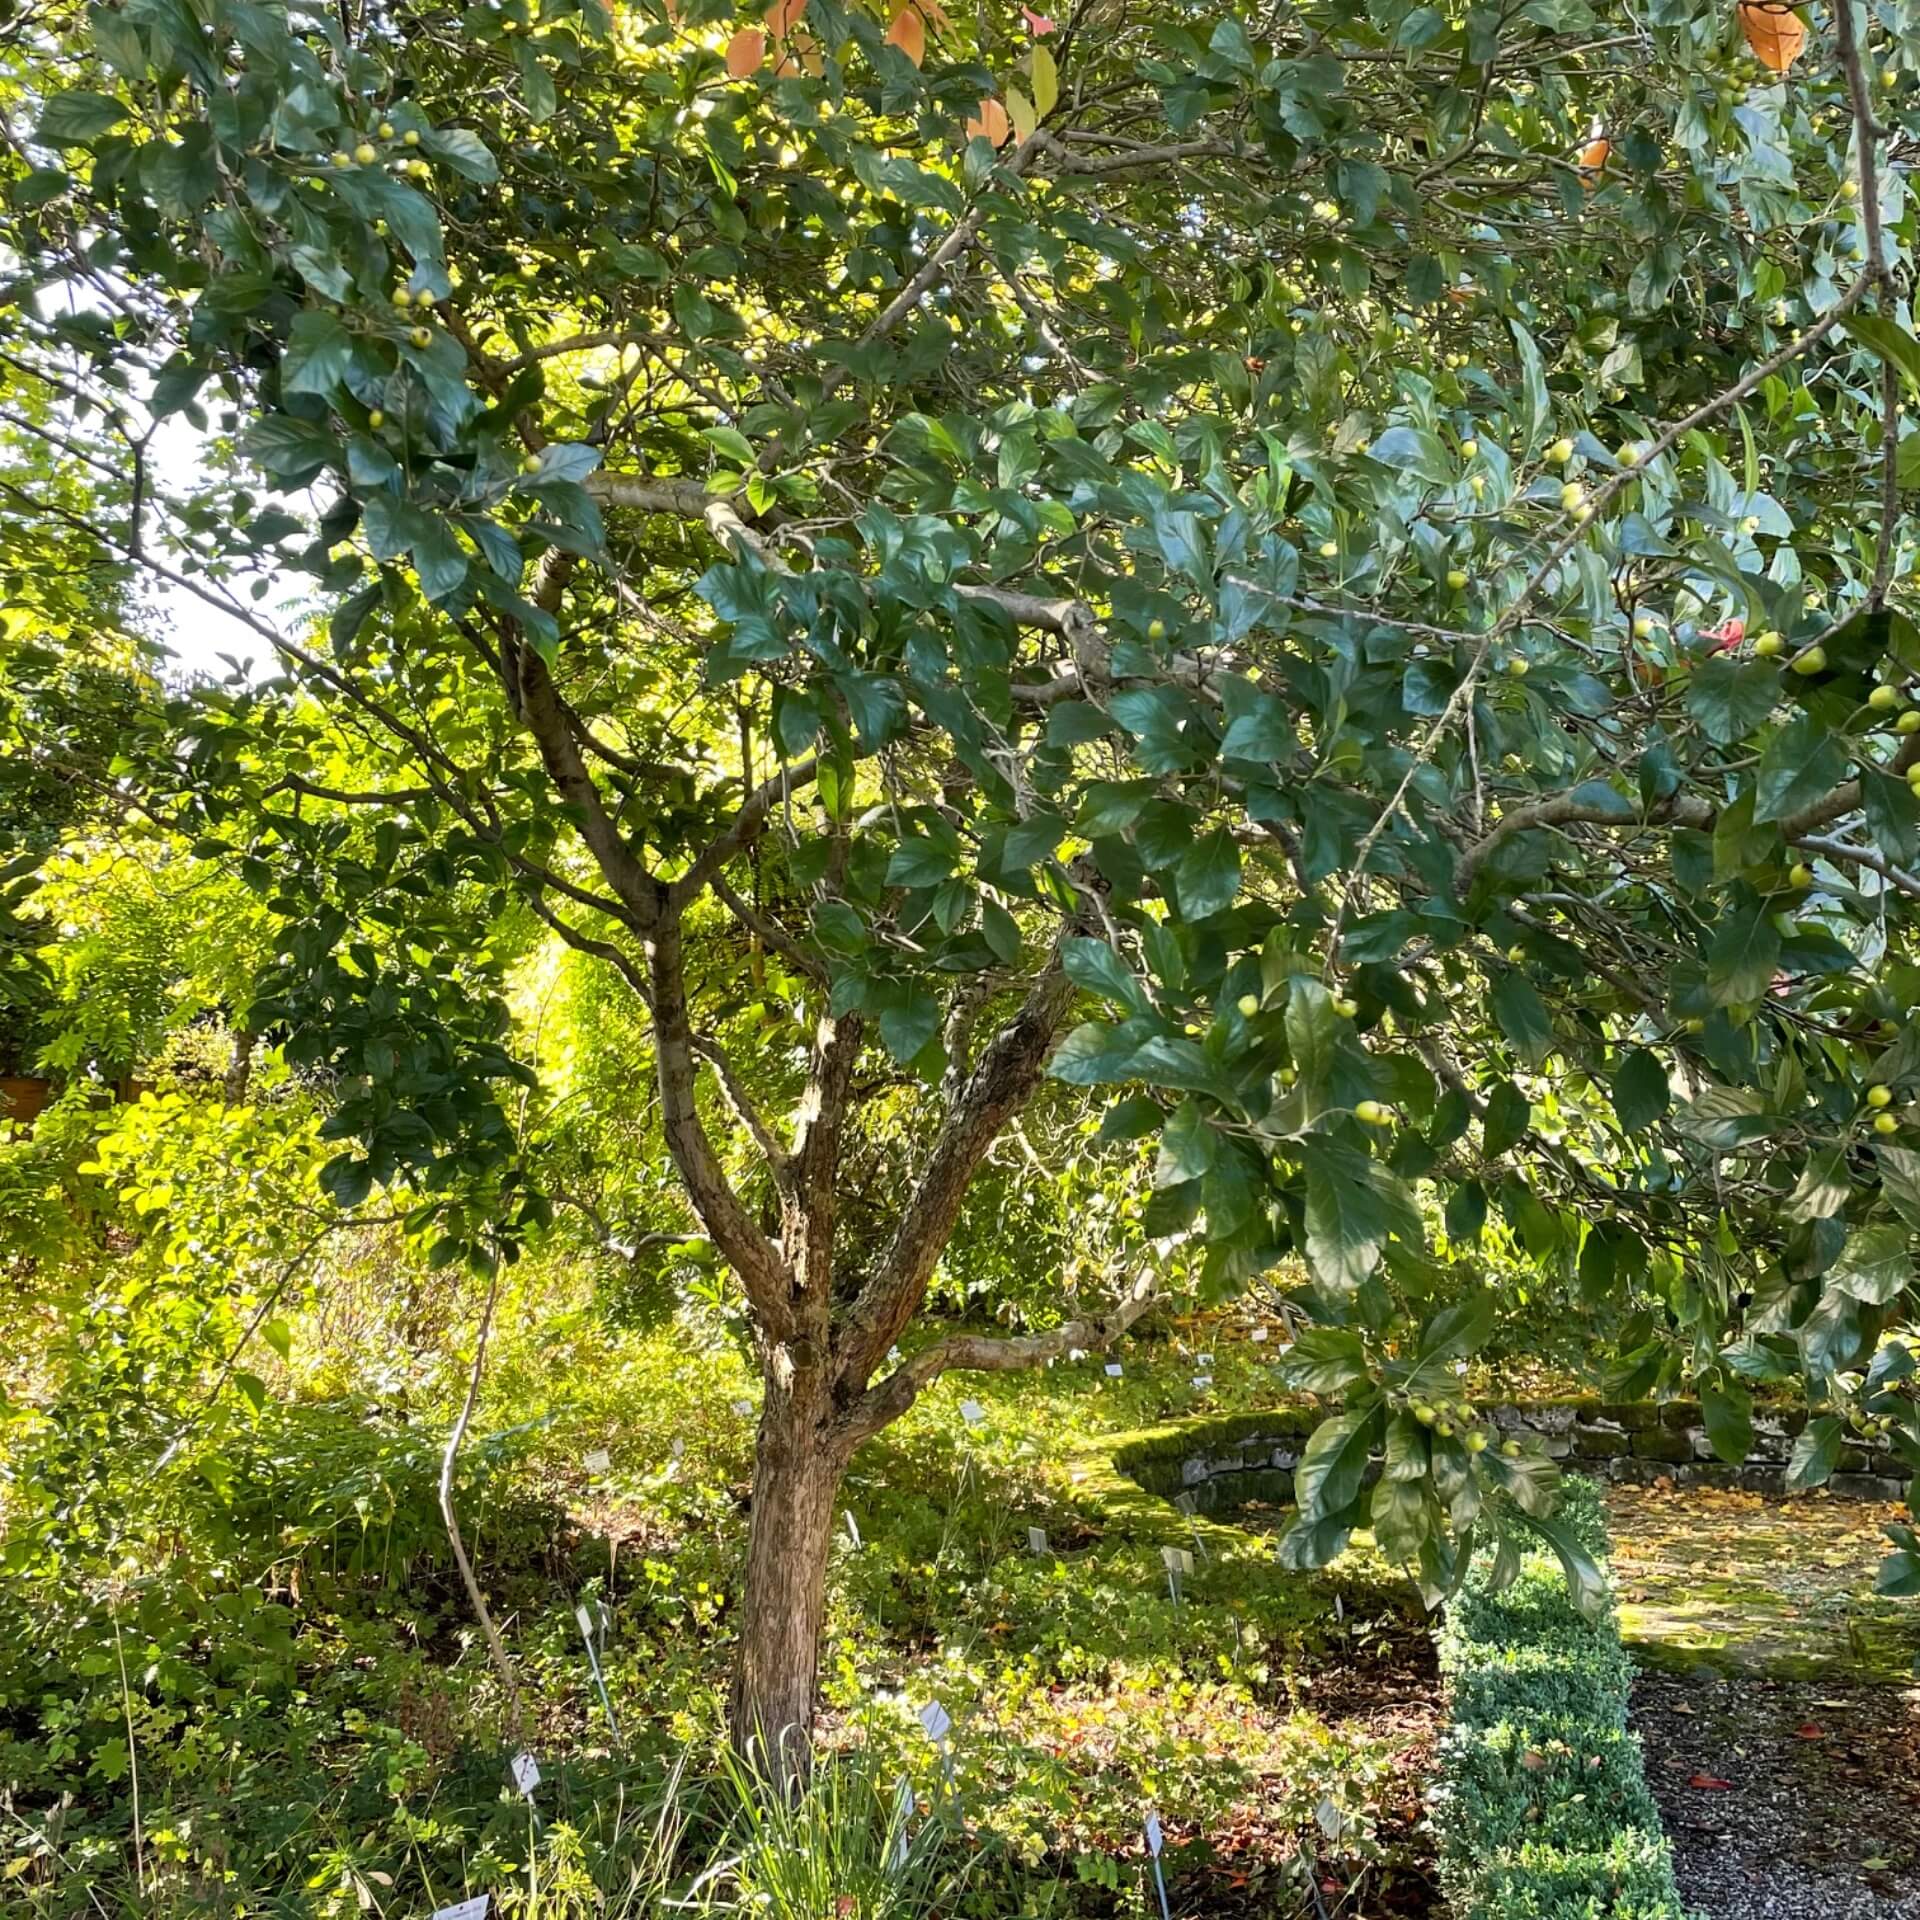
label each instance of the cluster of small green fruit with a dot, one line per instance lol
(1454, 1419)
(1880, 1099)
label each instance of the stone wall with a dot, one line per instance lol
(1645, 1441)
(1214, 1465)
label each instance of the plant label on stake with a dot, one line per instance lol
(1114, 1369)
(598, 1461)
(1185, 1502)
(938, 1723)
(853, 1528)
(1258, 1336)
(1036, 1540)
(972, 1412)
(585, 1620)
(525, 1770)
(1202, 1381)
(1178, 1562)
(744, 1408)
(474, 1909)
(1154, 1844)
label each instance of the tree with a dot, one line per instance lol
(1277, 526)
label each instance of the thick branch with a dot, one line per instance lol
(546, 717)
(747, 1250)
(1009, 1070)
(888, 1399)
(1563, 810)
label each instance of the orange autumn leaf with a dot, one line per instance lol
(990, 124)
(1593, 161)
(1774, 32)
(745, 51)
(908, 31)
(780, 17)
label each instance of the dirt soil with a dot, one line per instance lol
(1778, 1702)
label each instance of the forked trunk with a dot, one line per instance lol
(795, 1480)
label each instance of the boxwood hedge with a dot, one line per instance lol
(1542, 1807)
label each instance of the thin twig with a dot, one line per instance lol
(495, 1646)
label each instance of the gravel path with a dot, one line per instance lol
(1787, 1799)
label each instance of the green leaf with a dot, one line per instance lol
(1508, 1115)
(1726, 1117)
(465, 152)
(1188, 1145)
(1800, 763)
(1874, 1265)
(1586, 1585)
(1888, 340)
(921, 862)
(1094, 965)
(1728, 1411)
(78, 118)
(1324, 1360)
(1208, 876)
(1091, 1054)
(1730, 699)
(1354, 1207)
(1522, 1016)
(1815, 1454)
(1334, 1462)
(1899, 1180)
(1824, 1185)
(1743, 957)
(319, 352)
(1641, 1093)
(909, 1022)
(1457, 1331)
(1401, 1519)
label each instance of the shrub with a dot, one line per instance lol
(1543, 1811)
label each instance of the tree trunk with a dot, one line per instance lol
(795, 1479)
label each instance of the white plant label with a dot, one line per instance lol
(526, 1773)
(1203, 1359)
(1202, 1381)
(1176, 1559)
(679, 1449)
(972, 1412)
(853, 1526)
(1258, 1336)
(474, 1909)
(744, 1408)
(598, 1461)
(1076, 1353)
(1154, 1838)
(1036, 1539)
(936, 1720)
(1114, 1369)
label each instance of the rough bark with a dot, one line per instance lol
(796, 1476)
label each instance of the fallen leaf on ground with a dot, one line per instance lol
(1709, 1782)
(1809, 1732)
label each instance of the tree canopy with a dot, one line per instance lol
(1340, 573)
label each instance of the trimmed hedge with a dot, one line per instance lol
(1543, 1811)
